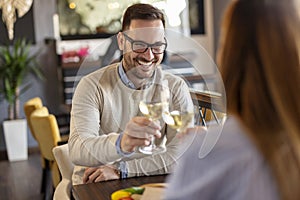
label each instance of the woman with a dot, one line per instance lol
(258, 153)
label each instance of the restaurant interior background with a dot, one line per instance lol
(49, 42)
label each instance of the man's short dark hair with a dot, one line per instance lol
(141, 11)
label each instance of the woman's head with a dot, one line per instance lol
(259, 62)
(259, 57)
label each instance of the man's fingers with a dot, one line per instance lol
(144, 121)
(138, 132)
(85, 179)
(102, 173)
(94, 176)
(88, 171)
(139, 142)
(143, 133)
(100, 178)
(129, 143)
(141, 130)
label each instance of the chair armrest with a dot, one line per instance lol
(63, 190)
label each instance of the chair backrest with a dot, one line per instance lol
(46, 130)
(65, 165)
(29, 107)
(45, 127)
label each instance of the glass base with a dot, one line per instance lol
(151, 149)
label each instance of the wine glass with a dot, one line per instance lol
(179, 120)
(154, 103)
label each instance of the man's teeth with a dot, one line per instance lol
(145, 63)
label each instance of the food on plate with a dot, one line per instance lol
(134, 193)
(131, 193)
(120, 194)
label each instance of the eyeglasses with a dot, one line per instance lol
(138, 46)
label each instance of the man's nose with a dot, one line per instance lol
(149, 54)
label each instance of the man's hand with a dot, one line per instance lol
(102, 173)
(138, 132)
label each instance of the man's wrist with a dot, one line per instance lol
(123, 170)
(119, 149)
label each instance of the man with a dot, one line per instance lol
(106, 125)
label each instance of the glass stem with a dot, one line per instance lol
(152, 142)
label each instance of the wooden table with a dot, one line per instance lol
(207, 101)
(103, 190)
(199, 78)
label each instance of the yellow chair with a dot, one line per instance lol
(35, 103)
(46, 131)
(65, 165)
(29, 107)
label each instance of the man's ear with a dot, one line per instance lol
(121, 41)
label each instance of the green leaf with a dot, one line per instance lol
(16, 62)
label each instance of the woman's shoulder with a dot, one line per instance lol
(222, 159)
(221, 140)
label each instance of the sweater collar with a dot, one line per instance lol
(128, 82)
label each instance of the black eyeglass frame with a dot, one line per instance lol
(132, 41)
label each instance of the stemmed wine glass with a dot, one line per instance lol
(154, 103)
(178, 119)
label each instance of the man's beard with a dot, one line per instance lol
(134, 67)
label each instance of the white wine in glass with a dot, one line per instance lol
(178, 120)
(152, 110)
(155, 101)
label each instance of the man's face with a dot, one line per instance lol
(137, 64)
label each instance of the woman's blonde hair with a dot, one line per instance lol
(259, 62)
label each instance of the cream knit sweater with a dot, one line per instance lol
(101, 107)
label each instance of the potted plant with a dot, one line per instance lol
(16, 62)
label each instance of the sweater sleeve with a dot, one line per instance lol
(88, 145)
